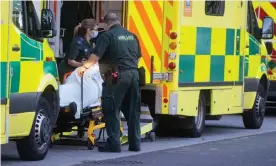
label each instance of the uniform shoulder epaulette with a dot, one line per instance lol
(80, 40)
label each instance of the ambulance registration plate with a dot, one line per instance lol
(160, 76)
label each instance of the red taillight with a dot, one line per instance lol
(165, 100)
(172, 65)
(173, 35)
(173, 45)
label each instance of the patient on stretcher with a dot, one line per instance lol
(70, 91)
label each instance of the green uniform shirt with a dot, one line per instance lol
(118, 46)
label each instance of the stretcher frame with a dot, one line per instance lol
(94, 125)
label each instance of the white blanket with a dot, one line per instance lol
(92, 89)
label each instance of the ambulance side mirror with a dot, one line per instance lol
(268, 28)
(47, 24)
(269, 47)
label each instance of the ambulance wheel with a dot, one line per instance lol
(198, 122)
(253, 119)
(35, 146)
(90, 145)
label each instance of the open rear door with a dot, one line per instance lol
(145, 19)
(5, 7)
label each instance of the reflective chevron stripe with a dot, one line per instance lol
(145, 19)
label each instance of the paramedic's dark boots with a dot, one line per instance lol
(106, 148)
(109, 149)
(134, 149)
(73, 108)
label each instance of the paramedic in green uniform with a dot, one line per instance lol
(121, 48)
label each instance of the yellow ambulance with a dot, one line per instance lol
(29, 79)
(203, 59)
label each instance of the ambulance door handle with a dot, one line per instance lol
(11, 71)
(15, 48)
(247, 46)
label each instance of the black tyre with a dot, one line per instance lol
(198, 122)
(253, 119)
(35, 146)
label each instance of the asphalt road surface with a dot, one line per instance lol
(258, 150)
(229, 127)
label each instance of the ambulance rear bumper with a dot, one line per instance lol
(172, 105)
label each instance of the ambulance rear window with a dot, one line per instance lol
(214, 8)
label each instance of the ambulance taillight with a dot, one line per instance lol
(172, 55)
(172, 65)
(173, 35)
(173, 45)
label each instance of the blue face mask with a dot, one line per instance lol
(94, 34)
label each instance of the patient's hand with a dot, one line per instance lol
(81, 70)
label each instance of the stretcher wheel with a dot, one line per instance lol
(90, 145)
(151, 136)
(51, 144)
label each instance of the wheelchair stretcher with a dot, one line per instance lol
(91, 121)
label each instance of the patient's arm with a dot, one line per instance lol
(91, 61)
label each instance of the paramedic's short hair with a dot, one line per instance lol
(111, 18)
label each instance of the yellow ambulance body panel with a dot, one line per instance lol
(29, 85)
(195, 53)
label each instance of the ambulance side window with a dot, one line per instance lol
(214, 8)
(252, 24)
(25, 18)
(32, 21)
(18, 15)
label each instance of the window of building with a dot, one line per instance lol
(215, 8)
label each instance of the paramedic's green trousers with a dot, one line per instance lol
(124, 96)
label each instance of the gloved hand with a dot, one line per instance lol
(81, 70)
